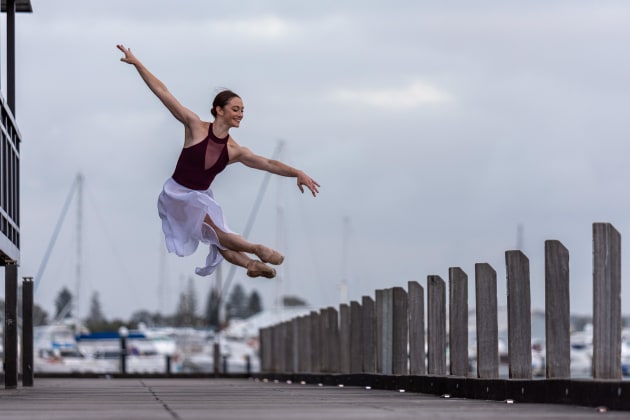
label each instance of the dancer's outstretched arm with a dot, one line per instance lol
(183, 114)
(248, 158)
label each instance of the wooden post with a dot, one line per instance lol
(263, 352)
(399, 331)
(458, 321)
(606, 302)
(299, 341)
(305, 353)
(486, 321)
(324, 340)
(356, 338)
(168, 367)
(10, 326)
(436, 326)
(519, 315)
(282, 350)
(378, 314)
(334, 355)
(268, 354)
(294, 339)
(557, 311)
(216, 357)
(416, 329)
(278, 350)
(316, 355)
(344, 338)
(271, 348)
(290, 346)
(384, 311)
(27, 331)
(368, 334)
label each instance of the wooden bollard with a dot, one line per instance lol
(436, 325)
(557, 311)
(10, 326)
(300, 342)
(416, 328)
(384, 334)
(293, 345)
(606, 302)
(271, 346)
(27, 331)
(278, 348)
(324, 342)
(344, 338)
(263, 338)
(330, 334)
(378, 316)
(282, 351)
(316, 354)
(308, 363)
(486, 322)
(458, 321)
(333, 336)
(305, 344)
(216, 358)
(356, 338)
(368, 334)
(400, 330)
(519, 315)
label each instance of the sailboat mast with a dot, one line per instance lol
(280, 239)
(79, 241)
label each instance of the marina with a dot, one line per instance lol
(189, 350)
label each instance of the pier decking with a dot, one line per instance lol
(239, 399)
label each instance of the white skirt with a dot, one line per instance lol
(183, 211)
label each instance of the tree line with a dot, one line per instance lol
(216, 314)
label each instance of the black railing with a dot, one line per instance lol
(10, 139)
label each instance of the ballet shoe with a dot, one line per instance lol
(268, 255)
(257, 268)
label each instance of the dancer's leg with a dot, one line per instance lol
(235, 257)
(255, 268)
(240, 244)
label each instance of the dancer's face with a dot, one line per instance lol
(232, 112)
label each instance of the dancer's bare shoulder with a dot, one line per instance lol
(238, 153)
(235, 150)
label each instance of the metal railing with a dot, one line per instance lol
(10, 139)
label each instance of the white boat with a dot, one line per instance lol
(55, 350)
(141, 357)
(625, 351)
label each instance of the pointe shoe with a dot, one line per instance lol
(268, 255)
(257, 268)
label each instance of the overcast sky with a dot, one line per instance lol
(434, 129)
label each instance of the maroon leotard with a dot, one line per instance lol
(199, 164)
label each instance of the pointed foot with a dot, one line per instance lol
(257, 268)
(268, 255)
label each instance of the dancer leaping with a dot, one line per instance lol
(186, 204)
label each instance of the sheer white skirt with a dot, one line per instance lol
(183, 211)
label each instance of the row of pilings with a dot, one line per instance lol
(388, 335)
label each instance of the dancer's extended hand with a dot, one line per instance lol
(129, 58)
(310, 183)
